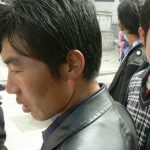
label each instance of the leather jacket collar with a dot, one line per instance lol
(86, 113)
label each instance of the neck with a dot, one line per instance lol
(82, 90)
(132, 38)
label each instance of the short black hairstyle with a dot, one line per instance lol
(145, 17)
(48, 29)
(128, 14)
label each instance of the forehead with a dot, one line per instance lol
(11, 57)
(19, 44)
(7, 50)
(9, 54)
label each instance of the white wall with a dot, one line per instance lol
(2, 2)
(108, 7)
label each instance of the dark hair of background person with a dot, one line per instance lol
(128, 14)
(145, 18)
(50, 28)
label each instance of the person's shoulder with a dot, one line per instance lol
(139, 50)
(137, 56)
(123, 116)
(141, 73)
(112, 127)
(138, 78)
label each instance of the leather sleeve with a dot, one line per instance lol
(129, 71)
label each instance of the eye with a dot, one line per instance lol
(15, 71)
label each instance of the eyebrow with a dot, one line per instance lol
(12, 60)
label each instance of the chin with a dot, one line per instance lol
(39, 117)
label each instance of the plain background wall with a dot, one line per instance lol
(108, 7)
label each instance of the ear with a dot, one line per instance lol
(76, 63)
(142, 35)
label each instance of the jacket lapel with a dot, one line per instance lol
(122, 67)
(120, 70)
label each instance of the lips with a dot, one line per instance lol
(25, 108)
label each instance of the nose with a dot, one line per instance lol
(11, 86)
(11, 89)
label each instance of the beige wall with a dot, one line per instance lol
(108, 7)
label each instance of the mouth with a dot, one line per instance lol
(25, 107)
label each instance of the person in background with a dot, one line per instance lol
(123, 44)
(2, 87)
(137, 99)
(53, 50)
(2, 130)
(134, 54)
(2, 123)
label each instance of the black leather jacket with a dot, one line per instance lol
(99, 123)
(2, 131)
(129, 66)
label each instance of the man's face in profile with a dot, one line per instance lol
(35, 88)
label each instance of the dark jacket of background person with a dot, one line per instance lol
(128, 67)
(103, 121)
(145, 65)
(129, 19)
(138, 101)
(2, 124)
(2, 131)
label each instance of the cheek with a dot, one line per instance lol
(148, 46)
(37, 88)
(34, 87)
(148, 56)
(43, 89)
(148, 51)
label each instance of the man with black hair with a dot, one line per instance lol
(138, 94)
(134, 54)
(53, 52)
